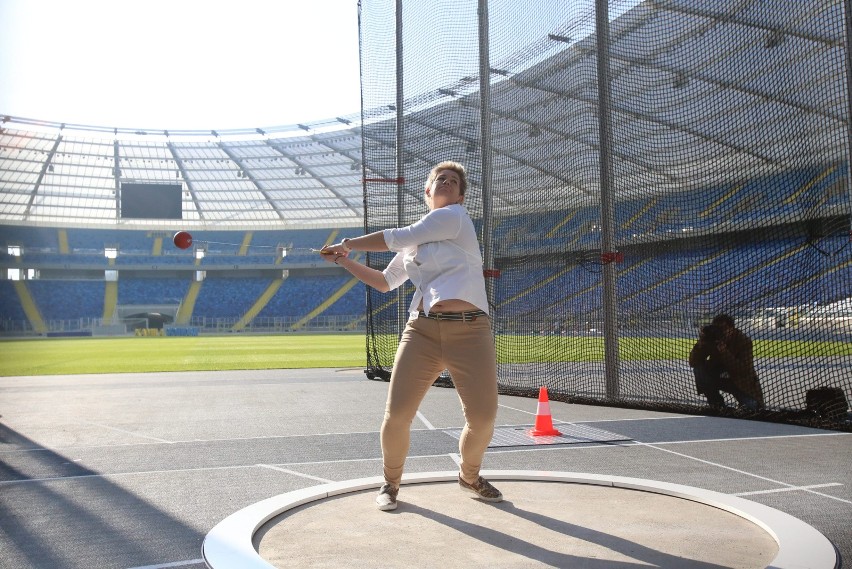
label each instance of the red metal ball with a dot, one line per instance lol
(182, 240)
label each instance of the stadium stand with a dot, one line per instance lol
(68, 299)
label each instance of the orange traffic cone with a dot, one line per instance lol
(543, 420)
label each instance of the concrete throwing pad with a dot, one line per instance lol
(569, 434)
(549, 519)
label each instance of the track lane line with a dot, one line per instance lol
(172, 564)
(746, 473)
(125, 431)
(294, 473)
(792, 489)
(425, 421)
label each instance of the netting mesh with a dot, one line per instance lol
(719, 186)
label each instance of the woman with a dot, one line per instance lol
(448, 328)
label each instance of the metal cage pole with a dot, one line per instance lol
(485, 145)
(402, 310)
(611, 363)
(847, 11)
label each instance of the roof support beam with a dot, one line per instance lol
(517, 159)
(651, 62)
(186, 180)
(38, 181)
(731, 17)
(116, 175)
(616, 110)
(307, 170)
(246, 173)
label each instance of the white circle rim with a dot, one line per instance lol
(229, 544)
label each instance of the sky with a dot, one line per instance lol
(179, 64)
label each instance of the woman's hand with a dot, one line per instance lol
(333, 253)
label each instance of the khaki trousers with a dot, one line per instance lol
(426, 348)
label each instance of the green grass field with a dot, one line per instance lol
(59, 356)
(56, 356)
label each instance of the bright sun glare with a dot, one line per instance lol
(190, 64)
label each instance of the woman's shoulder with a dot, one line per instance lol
(448, 213)
(452, 209)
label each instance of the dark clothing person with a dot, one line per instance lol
(723, 360)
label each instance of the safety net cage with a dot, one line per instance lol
(635, 169)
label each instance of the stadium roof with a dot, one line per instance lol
(689, 79)
(303, 174)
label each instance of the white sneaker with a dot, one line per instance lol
(386, 500)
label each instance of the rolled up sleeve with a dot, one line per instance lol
(394, 273)
(438, 225)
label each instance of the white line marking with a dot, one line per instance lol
(456, 458)
(79, 447)
(128, 432)
(561, 447)
(190, 441)
(516, 409)
(791, 489)
(294, 473)
(425, 421)
(172, 564)
(772, 437)
(270, 437)
(738, 471)
(80, 476)
(639, 419)
(605, 420)
(544, 448)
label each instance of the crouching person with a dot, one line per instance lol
(723, 360)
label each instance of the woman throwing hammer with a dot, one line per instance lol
(449, 327)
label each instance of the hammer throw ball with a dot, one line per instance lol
(182, 240)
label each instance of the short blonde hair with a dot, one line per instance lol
(449, 165)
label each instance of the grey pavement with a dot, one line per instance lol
(133, 470)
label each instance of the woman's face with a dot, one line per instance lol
(444, 190)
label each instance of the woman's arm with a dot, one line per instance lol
(367, 275)
(338, 254)
(437, 225)
(372, 242)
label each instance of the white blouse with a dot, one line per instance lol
(440, 255)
